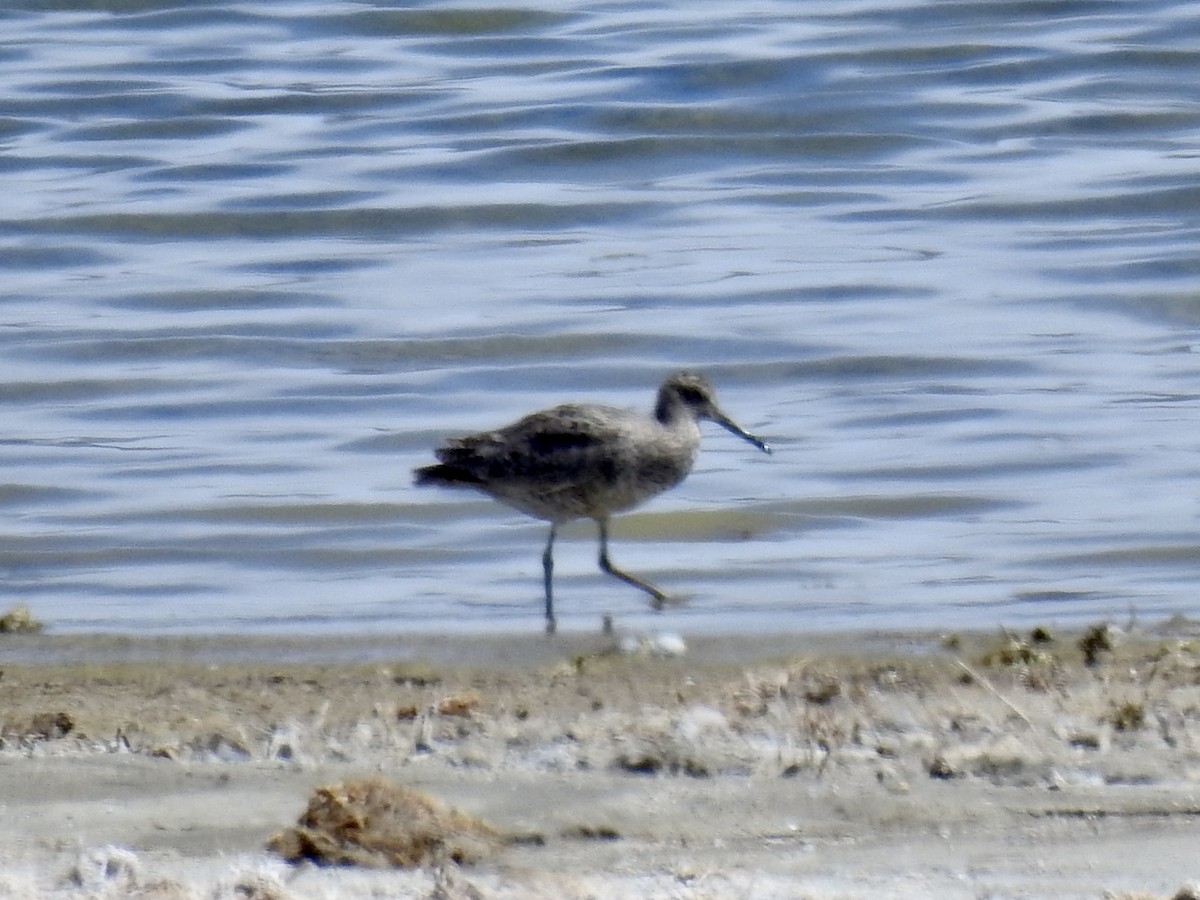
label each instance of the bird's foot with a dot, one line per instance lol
(661, 601)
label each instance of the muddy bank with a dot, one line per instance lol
(796, 766)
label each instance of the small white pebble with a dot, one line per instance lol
(661, 644)
(667, 644)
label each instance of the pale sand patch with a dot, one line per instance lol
(828, 766)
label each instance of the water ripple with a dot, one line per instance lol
(259, 259)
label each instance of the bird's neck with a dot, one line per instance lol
(668, 410)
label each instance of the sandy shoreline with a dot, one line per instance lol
(848, 765)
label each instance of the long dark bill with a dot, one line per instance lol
(729, 425)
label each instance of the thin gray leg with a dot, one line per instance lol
(548, 576)
(659, 596)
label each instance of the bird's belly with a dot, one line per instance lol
(596, 496)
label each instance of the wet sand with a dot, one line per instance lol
(807, 766)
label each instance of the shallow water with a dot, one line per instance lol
(257, 259)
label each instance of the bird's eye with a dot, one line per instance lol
(691, 396)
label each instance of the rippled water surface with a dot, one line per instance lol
(257, 259)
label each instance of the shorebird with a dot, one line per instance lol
(586, 461)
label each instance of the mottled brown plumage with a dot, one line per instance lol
(586, 461)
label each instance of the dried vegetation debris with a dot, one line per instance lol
(1188, 891)
(378, 823)
(39, 726)
(1026, 710)
(19, 620)
(945, 711)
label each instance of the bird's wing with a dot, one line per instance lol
(567, 439)
(550, 447)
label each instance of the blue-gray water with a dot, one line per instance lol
(256, 259)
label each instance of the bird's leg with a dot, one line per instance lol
(659, 597)
(548, 576)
